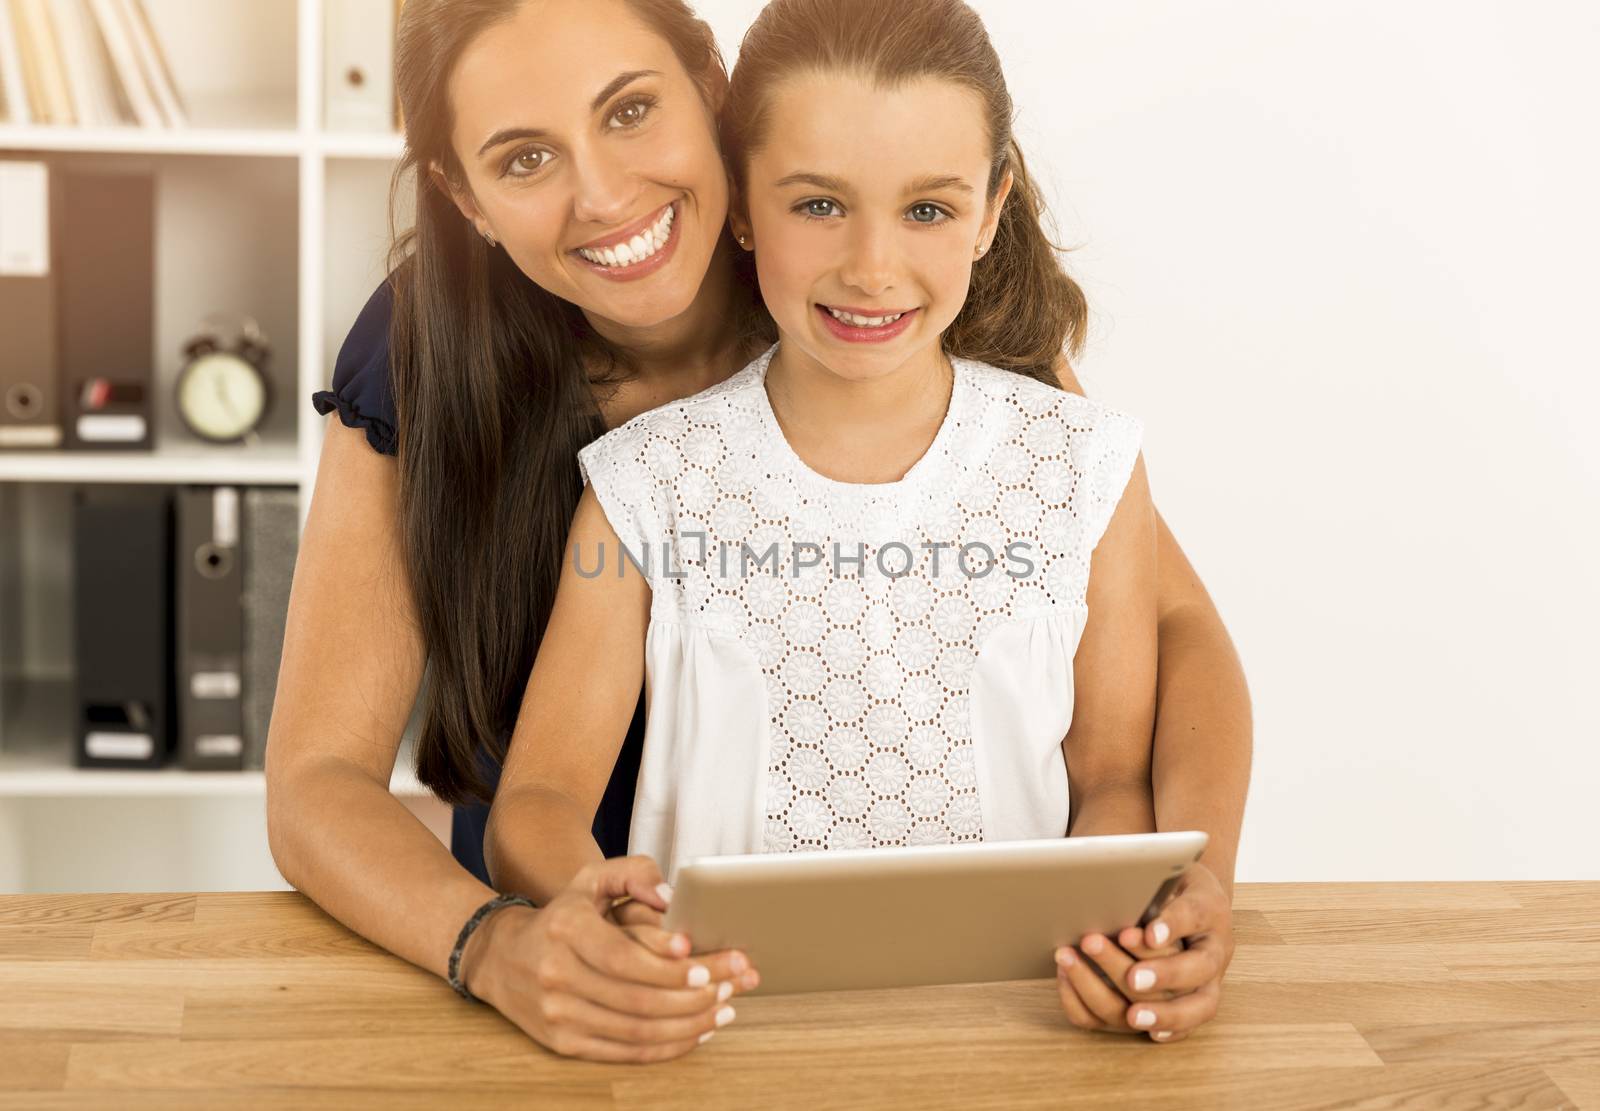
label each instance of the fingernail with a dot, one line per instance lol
(1160, 933)
(1066, 958)
(1162, 1035)
(1091, 944)
(665, 891)
(738, 962)
(680, 943)
(1144, 980)
(724, 1016)
(751, 979)
(699, 976)
(724, 990)
(1144, 1018)
(706, 1037)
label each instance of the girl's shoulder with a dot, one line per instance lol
(1038, 413)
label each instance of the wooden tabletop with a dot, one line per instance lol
(1379, 995)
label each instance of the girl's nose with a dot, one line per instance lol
(869, 265)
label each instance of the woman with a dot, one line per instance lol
(544, 135)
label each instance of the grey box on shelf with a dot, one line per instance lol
(271, 542)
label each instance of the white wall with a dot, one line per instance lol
(1342, 260)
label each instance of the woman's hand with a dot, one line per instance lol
(1167, 977)
(575, 982)
(642, 922)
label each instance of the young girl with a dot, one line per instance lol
(855, 577)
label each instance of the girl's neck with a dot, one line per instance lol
(692, 350)
(871, 431)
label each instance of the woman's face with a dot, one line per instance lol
(867, 206)
(591, 156)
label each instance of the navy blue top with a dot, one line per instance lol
(361, 393)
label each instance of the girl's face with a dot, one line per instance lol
(866, 209)
(591, 156)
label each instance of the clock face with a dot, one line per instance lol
(221, 396)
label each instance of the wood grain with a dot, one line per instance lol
(1340, 995)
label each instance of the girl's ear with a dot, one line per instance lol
(461, 197)
(991, 219)
(739, 217)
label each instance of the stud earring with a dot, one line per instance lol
(744, 241)
(489, 239)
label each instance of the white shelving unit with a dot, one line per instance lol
(243, 225)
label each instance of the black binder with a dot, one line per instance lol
(209, 574)
(122, 626)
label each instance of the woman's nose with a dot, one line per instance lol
(604, 191)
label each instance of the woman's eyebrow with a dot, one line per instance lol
(614, 86)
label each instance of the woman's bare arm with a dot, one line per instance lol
(1201, 747)
(1107, 748)
(575, 712)
(352, 664)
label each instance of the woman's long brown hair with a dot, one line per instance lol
(1022, 310)
(493, 385)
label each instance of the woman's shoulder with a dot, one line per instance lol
(680, 427)
(361, 390)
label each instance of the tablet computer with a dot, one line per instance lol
(928, 914)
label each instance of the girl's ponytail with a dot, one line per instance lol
(1023, 309)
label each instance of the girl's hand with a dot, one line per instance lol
(576, 983)
(1179, 987)
(642, 922)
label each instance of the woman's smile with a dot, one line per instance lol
(637, 250)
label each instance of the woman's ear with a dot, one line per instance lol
(462, 198)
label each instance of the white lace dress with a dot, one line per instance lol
(892, 685)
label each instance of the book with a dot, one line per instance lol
(52, 101)
(125, 60)
(11, 79)
(154, 63)
(87, 67)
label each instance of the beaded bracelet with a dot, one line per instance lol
(478, 916)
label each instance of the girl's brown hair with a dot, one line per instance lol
(1022, 309)
(492, 379)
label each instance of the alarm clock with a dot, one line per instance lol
(222, 390)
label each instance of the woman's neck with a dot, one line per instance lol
(693, 350)
(868, 431)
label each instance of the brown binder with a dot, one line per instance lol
(30, 415)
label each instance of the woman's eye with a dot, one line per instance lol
(526, 162)
(819, 209)
(927, 213)
(633, 112)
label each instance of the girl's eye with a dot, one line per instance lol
(928, 213)
(529, 160)
(631, 113)
(817, 209)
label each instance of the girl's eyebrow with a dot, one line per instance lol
(933, 183)
(614, 86)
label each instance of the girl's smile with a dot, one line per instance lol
(866, 325)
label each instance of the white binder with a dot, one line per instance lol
(358, 65)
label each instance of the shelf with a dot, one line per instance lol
(238, 142)
(386, 147)
(271, 465)
(36, 759)
(138, 140)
